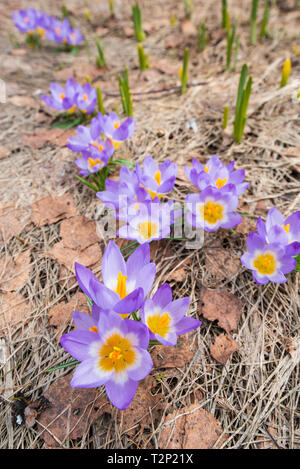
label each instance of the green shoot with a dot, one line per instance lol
(230, 39)
(100, 58)
(143, 58)
(236, 52)
(137, 23)
(285, 74)
(184, 71)
(225, 117)
(241, 106)
(125, 93)
(265, 20)
(87, 14)
(188, 8)
(111, 8)
(253, 30)
(202, 37)
(100, 100)
(297, 268)
(64, 11)
(172, 20)
(225, 14)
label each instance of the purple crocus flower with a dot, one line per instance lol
(26, 20)
(87, 322)
(278, 229)
(152, 222)
(86, 98)
(95, 158)
(268, 262)
(213, 208)
(125, 284)
(74, 37)
(86, 136)
(114, 129)
(215, 174)
(124, 193)
(157, 179)
(62, 99)
(59, 30)
(43, 24)
(165, 318)
(115, 356)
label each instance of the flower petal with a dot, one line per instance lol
(121, 395)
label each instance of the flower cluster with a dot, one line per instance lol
(112, 347)
(98, 142)
(32, 21)
(220, 186)
(271, 250)
(72, 97)
(137, 199)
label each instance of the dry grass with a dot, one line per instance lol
(259, 387)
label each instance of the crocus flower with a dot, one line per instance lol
(125, 284)
(74, 37)
(62, 99)
(95, 158)
(59, 30)
(43, 24)
(278, 229)
(86, 98)
(116, 356)
(152, 222)
(124, 195)
(86, 136)
(268, 262)
(213, 208)
(26, 20)
(114, 129)
(165, 318)
(215, 174)
(87, 322)
(157, 179)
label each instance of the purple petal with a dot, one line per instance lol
(163, 296)
(142, 366)
(186, 325)
(88, 375)
(137, 333)
(130, 303)
(77, 343)
(83, 321)
(121, 394)
(254, 242)
(112, 263)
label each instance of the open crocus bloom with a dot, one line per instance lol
(116, 356)
(86, 98)
(114, 129)
(165, 318)
(268, 262)
(125, 284)
(62, 99)
(215, 174)
(213, 209)
(157, 179)
(278, 229)
(26, 20)
(152, 222)
(96, 158)
(86, 136)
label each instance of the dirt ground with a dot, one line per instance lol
(254, 397)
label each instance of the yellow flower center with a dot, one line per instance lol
(212, 212)
(84, 97)
(286, 227)
(157, 177)
(116, 125)
(41, 31)
(206, 169)
(121, 285)
(147, 229)
(116, 354)
(221, 182)
(26, 19)
(57, 30)
(93, 163)
(265, 264)
(115, 144)
(73, 36)
(93, 329)
(159, 324)
(72, 109)
(62, 96)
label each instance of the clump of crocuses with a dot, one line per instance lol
(72, 98)
(99, 141)
(272, 249)
(219, 186)
(33, 22)
(112, 342)
(136, 198)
